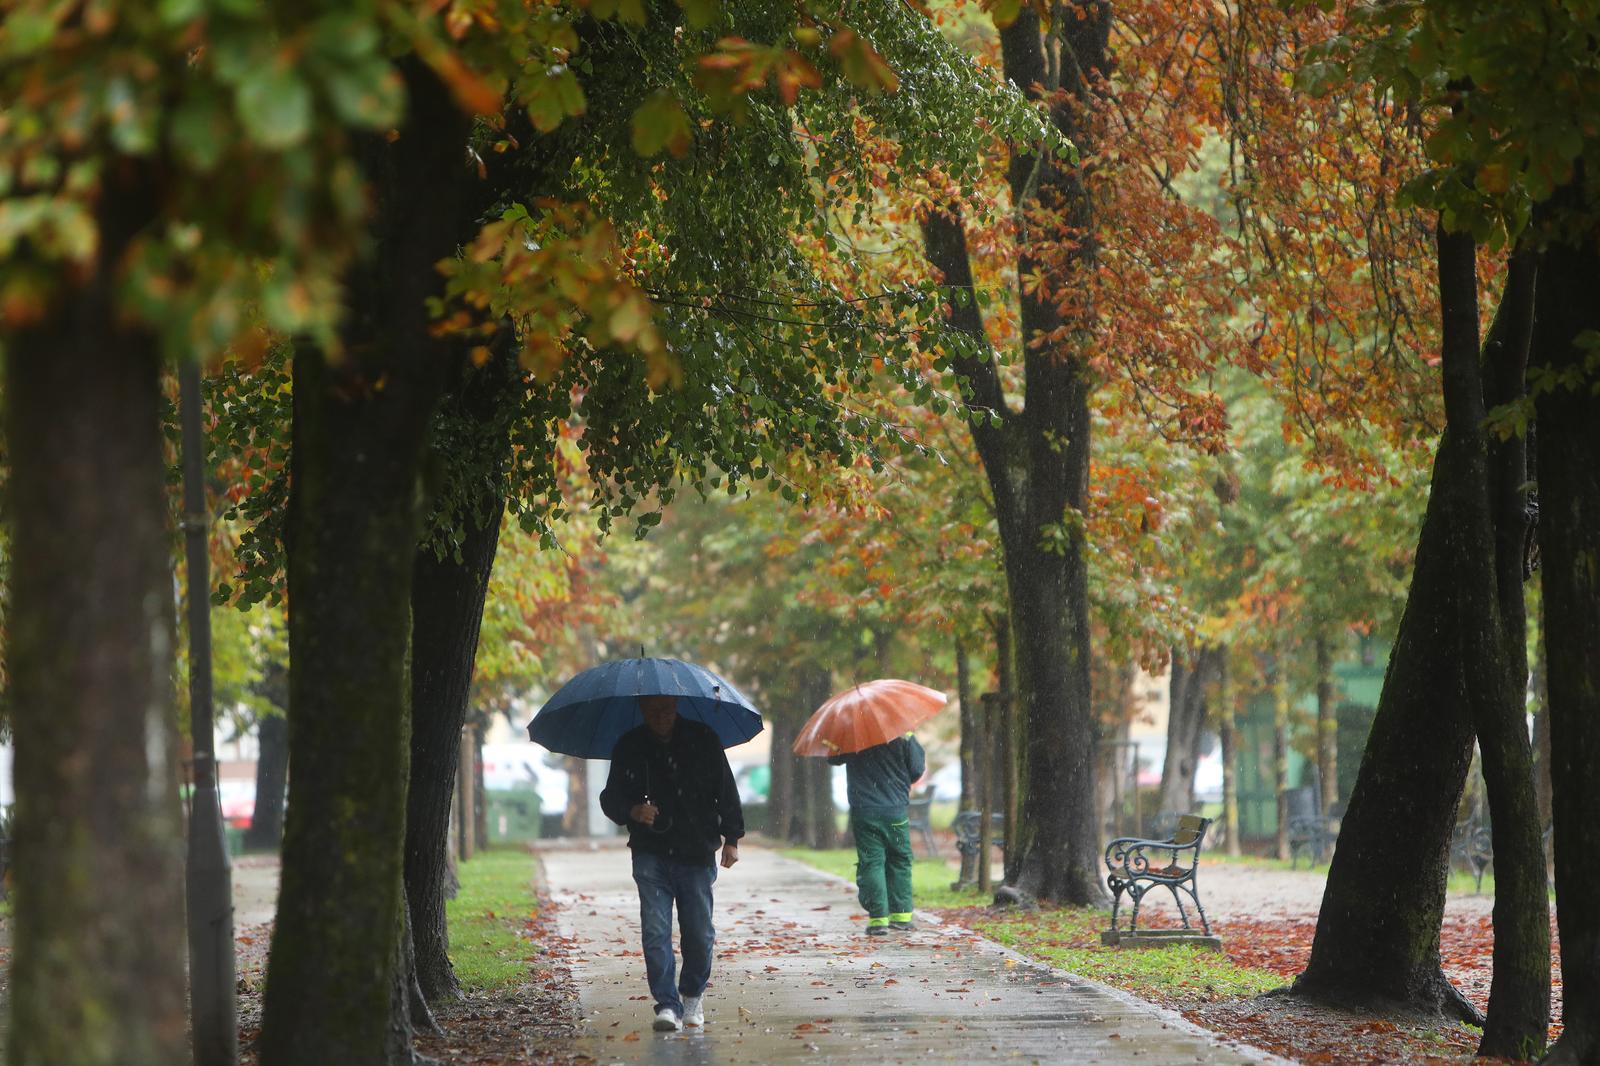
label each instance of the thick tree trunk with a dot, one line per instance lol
(97, 971)
(821, 831)
(1569, 545)
(1519, 995)
(272, 777)
(360, 428)
(447, 597)
(1377, 935)
(1327, 726)
(1037, 463)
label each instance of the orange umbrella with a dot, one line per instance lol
(867, 715)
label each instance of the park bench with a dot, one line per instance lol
(1312, 832)
(918, 814)
(1472, 848)
(1137, 865)
(967, 827)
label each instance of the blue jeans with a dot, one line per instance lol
(661, 882)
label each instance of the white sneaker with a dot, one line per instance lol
(694, 1010)
(667, 1021)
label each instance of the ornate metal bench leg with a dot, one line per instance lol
(1205, 925)
(1178, 899)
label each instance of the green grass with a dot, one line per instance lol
(930, 878)
(1069, 938)
(487, 917)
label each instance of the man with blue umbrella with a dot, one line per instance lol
(663, 724)
(671, 785)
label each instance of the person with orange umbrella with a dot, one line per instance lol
(867, 731)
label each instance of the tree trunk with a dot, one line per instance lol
(966, 699)
(1011, 742)
(1227, 719)
(272, 777)
(1569, 543)
(798, 829)
(1280, 748)
(969, 737)
(781, 762)
(1327, 726)
(360, 429)
(1186, 718)
(466, 792)
(1377, 935)
(1037, 463)
(1519, 994)
(97, 974)
(480, 792)
(575, 820)
(447, 597)
(821, 831)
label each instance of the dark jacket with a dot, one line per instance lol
(688, 777)
(880, 777)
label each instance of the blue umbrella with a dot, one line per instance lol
(590, 713)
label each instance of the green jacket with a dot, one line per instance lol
(880, 777)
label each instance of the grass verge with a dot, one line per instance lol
(487, 918)
(930, 878)
(1069, 938)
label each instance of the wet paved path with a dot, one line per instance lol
(796, 980)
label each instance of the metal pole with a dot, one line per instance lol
(209, 876)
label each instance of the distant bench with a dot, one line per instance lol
(1136, 865)
(919, 814)
(968, 825)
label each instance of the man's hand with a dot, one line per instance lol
(730, 854)
(644, 813)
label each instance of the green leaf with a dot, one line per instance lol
(367, 93)
(661, 123)
(701, 13)
(275, 106)
(199, 134)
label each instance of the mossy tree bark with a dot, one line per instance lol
(447, 598)
(447, 601)
(1569, 544)
(97, 972)
(1037, 464)
(1519, 993)
(360, 429)
(1377, 938)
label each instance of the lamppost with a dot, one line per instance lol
(209, 874)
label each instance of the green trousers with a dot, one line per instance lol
(883, 867)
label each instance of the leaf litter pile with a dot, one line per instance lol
(530, 1021)
(1240, 995)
